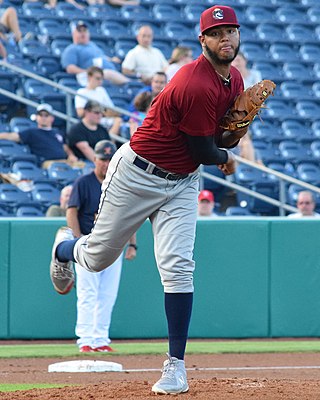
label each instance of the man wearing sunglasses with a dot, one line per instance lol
(83, 136)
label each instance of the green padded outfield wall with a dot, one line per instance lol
(254, 278)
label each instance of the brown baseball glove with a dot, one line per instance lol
(247, 105)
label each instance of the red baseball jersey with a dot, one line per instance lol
(192, 103)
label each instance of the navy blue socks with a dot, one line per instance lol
(178, 307)
(64, 250)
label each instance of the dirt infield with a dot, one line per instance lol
(219, 376)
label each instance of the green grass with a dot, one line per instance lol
(12, 387)
(200, 347)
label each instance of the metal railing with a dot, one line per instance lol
(70, 93)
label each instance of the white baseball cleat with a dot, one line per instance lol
(173, 379)
(62, 273)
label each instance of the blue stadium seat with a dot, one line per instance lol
(289, 14)
(5, 212)
(103, 12)
(297, 131)
(114, 29)
(268, 131)
(298, 71)
(9, 149)
(283, 52)
(247, 175)
(256, 14)
(283, 167)
(33, 49)
(309, 3)
(122, 46)
(68, 11)
(237, 211)
(315, 149)
(313, 13)
(310, 53)
(269, 155)
(315, 126)
(279, 109)
(48, 65)
(309, 172)
(191, 12)
(11, 195)
(45, 194)
(53, 27)
(164, 12)
(294, 90)
(29, 211)
(35, 10)
(257, 206)
(298, 33)
(308, 109)
(269, 70)
(58, 45)
(26, 170)
(70, 82)
(34, 89)
(254, 51)
(8, 81)
(18, 124)
(294, 152)
(248, 33)
(176, 30)
(133, 13)
(62, 173)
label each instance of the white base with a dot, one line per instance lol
(85, 366)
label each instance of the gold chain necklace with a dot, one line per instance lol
(226, 81)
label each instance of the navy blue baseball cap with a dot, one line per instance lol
(104, 150)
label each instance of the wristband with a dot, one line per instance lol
(133, 245)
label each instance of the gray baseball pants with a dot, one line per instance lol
(129, 196)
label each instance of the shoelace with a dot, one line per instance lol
(169, 369)
(61, 272)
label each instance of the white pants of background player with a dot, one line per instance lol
(96, 296)
(130, 195)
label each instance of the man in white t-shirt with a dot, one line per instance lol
(144, 60)
(306, 205)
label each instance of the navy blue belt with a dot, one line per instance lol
(157, 171)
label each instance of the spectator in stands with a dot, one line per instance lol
(83, 136)
(60, 210)
(249, 76)
(9, 23)
(142, 102)
(246, 148)
(206, 204)
(306, 205)
(180, 56)
(83, 53)
(51, 4)
(158, 82)
(144, 60)
(46, 142)
(123, 2)
(95, 91)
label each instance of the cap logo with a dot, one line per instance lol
(107, 151)
(217, 13)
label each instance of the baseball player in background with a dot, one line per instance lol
(96, 293)
(156, 176)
